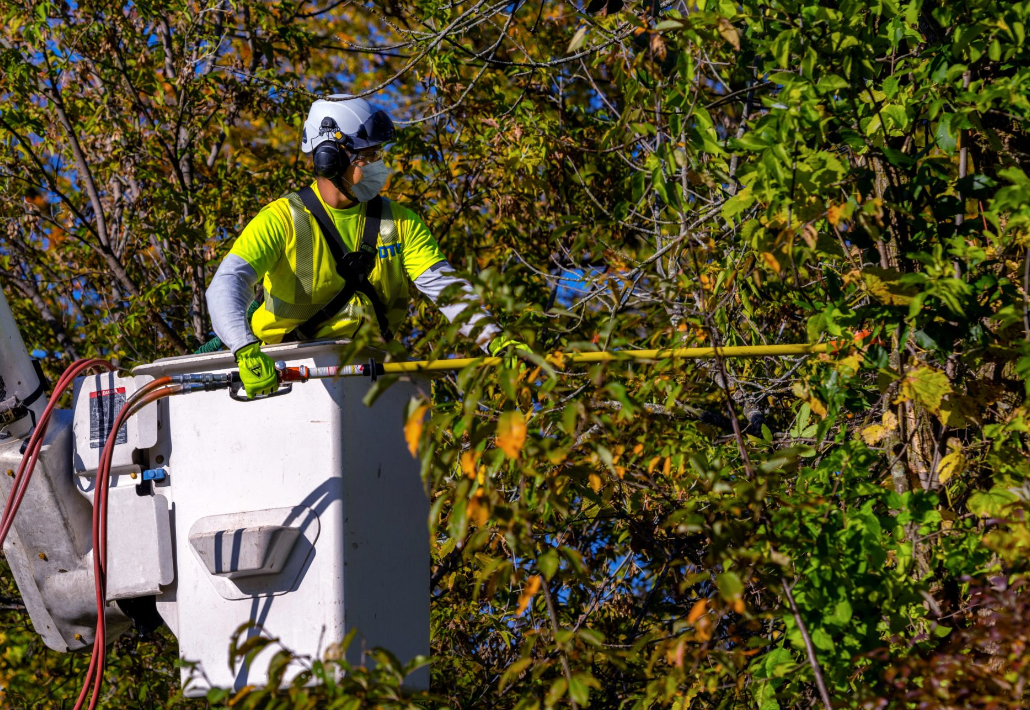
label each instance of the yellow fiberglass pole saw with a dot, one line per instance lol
(373, 369)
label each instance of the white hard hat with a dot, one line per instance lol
(354, 123)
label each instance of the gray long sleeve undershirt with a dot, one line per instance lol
(438, 277)
(232, 290)
(228, 298)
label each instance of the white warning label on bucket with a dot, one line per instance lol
(104, 406)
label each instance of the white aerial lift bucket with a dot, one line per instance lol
(301, 514)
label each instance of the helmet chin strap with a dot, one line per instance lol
(339, 183)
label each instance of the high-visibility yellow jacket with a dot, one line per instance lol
(287, 251)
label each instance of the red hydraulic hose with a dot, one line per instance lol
(151, 392)
(94, 675)
(35, 443)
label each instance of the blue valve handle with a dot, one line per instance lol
(154, 474)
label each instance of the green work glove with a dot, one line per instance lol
(505, 347)
(257, 371)
(503, 342)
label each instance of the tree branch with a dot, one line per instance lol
(809, 648)
(546, 587)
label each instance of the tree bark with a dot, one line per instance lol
(29, 290)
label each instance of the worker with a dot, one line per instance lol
(334, 253)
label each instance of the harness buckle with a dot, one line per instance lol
(359, 264)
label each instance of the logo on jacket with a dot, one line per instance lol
(389, 251)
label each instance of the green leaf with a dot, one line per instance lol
(992, 503)
(574, 558)
(765, 696)
(898, 119)
(841, 612)
(944, 135)
(218, 695)
(557, 691)
(548, 564)
(775, 664)
(821, 639)
(730, 586)
(512, 673)
(579, 687)
(738, 203)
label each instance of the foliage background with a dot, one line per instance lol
(847, 531)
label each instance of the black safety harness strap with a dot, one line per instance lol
(354, 267)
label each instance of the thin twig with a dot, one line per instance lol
(812, 660)
(546, 586)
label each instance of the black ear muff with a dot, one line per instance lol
(329, 160)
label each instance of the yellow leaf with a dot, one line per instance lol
(885, 285)
(556, 456)
(531, 588)
(704, 629)
(957, 409)
(652, 463)
(771, 261)
(478, 509)
(468, 463)
(413, 427)
(558, 359)
(511, 433)
(877, 432)
(667, 466)
(638, 449)
(729, 32)
(595, 482)
(850, 364)
(817, 407)
(872, 435)
(243, 692)
(926, 386)
(577, 40)
(803, 393)
(833, 213)
(471, 469)
(697, 611)
(951, 465)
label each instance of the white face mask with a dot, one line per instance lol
(373, 177)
